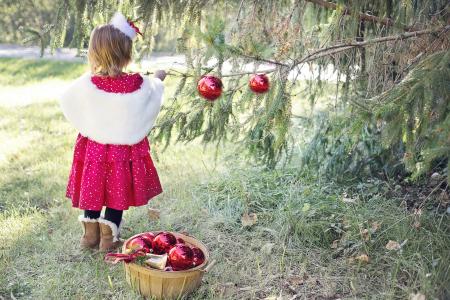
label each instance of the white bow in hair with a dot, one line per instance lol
(126, 26)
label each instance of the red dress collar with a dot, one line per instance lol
(123, 84)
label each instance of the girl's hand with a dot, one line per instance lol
(161, 74)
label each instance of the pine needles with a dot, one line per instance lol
(403, 123)
(408, 126)
(416, 113)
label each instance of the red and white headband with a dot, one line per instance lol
(126, 26)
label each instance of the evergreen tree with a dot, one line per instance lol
(391, 59)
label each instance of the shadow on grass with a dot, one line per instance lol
(43, 261)
(31, 176)
(39, 231)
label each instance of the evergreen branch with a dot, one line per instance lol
(331, 50)
(239, 10)
(248, 73)
(346, 46)
(360, 105)
(293, 9)
(207, 70)
(343, 47)
(173, 72)
(403, 86)
(257, 58)
(388, 22)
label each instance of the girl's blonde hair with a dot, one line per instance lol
(109, 51)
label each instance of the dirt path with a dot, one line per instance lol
(161, 60)
(10, 50)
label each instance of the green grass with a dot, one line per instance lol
(287, 252)
(17, 72)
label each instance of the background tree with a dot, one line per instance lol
(27, 21)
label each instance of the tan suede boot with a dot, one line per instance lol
(109, 235)
(91, 233)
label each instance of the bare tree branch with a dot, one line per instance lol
(328, 51)
(346, 46)
(362, 16)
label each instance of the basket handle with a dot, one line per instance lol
(209, 266)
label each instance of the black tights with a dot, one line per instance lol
(111, 214)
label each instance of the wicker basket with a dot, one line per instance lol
(167, 285)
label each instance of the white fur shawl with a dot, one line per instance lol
(110, 118)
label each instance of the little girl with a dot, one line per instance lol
(113, 112)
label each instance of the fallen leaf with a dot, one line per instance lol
(273, 298)
(306, 207)
(362, 258)
(418, 211)
(267, 248)
(444, 198)
(365, 234)
(418, 296)
(226, 289)
(435, 178)
(153, 214)
(375, 226)
(248, 219)
(296, 280)
(348, 200)
(335, 244)
(393, 245)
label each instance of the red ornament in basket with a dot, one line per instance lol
(181, 257)
(138, 244)
(148, 238)
(198, 256)
(163, 242)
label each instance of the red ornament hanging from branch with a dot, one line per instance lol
(210, 87)
(259, 83)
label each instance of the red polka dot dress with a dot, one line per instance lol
(115, 175)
